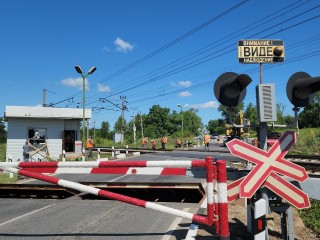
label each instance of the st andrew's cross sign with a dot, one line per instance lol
(269, 171)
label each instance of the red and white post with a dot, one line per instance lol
(223, 200)
(210, 203)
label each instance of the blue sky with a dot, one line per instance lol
(152, 52)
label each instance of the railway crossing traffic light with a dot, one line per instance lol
(301, 88)
(230, 88)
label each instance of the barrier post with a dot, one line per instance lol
(223, 200)
(63, 155)
(98, 154)
(215, 196)
(83, 154)
(10, 160)
(112, 151)
(210, 203)
(127, 150)
(259, 226)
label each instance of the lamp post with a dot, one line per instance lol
(78, 69)
(180, 106)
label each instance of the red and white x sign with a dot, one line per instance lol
(269, 163)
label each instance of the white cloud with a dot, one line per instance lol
(181, 84)
(123, 46)
(185, 84)
(210, 104)
(75, 83)
(102, 88)
(185, 94)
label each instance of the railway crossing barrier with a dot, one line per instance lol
(217, 212)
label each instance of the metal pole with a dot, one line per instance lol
(94, 129)
(182, 122)
(83, 111)
(260, 73)
(122, 120)
(44, 92)
(134, 130)
(88, 128)
(262, 137)
(141, 125)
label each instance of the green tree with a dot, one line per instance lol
(3, 133)
(279, 111)
(118, 125)
(235, 111)
(158, 117)
(191, 122)
(213, 125)
(251, 113)
(104, 130)
(310, 116)
(288, 119)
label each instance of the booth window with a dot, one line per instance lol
(37, 135)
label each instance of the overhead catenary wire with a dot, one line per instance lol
(223, 48)
(201, 61)
(168, 45)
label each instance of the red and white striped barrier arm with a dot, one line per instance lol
(106, 167)
(222, 200)
(114, 196)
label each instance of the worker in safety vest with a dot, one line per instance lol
(164, 141)
(206, 141)
(90, 145)
(144, 142)
(153, 144)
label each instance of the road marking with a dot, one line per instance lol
(174, 225)
(192, 233)
(24, 215)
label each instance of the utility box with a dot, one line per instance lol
(117, 137)
(266, 103)
(78, 147)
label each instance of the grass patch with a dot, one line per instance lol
(311, 216)
(5, 178)
(308, 142)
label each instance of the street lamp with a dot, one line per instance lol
(79, 70)
(180, 106)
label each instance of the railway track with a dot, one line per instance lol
(310, 162)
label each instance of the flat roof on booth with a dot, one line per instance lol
(46, 112)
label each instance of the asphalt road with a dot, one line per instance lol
(73, 218)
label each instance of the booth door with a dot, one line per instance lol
(69, 140)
